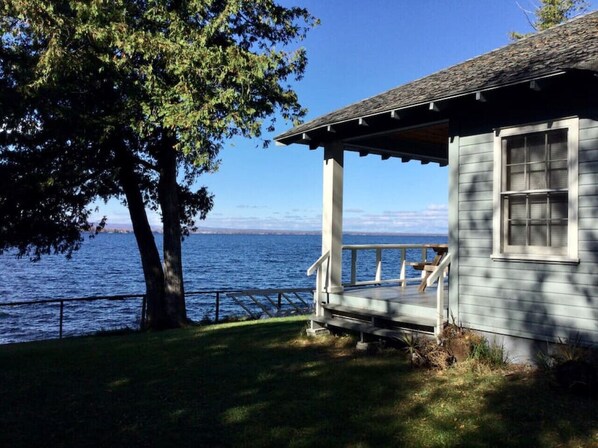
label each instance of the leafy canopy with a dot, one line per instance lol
(89, 86)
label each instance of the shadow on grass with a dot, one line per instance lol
(461, 408)
(260, 384)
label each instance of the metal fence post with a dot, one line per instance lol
(61, 318)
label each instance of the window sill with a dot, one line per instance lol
(533, 258)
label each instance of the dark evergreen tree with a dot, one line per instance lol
(133, 99)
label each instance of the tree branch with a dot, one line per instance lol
(527, 13)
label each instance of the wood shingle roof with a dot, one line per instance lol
(570, 46)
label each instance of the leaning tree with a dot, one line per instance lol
(133, 99)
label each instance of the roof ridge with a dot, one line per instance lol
(483, 66)
(451, 67)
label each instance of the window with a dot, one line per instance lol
(535, 177)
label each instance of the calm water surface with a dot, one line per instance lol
(109, 265)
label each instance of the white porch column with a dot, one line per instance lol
(332, 215)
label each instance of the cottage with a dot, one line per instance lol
(518, 129)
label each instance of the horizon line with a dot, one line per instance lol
(224, 231)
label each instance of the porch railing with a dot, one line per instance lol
(438, 276)
(321, 267)
(321, 279)
(401, 268)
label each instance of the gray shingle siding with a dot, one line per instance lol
(532, 300)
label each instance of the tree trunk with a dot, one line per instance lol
(156, 317)
(174, 293)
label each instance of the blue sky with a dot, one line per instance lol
(360, 49)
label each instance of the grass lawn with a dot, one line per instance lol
(264, 384)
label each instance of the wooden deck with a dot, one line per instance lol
(382, 311)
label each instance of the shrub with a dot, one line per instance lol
(457, 344)
(490, 354)
(571, 365)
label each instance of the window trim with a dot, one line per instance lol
(540, 254)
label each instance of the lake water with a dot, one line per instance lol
(109, 265)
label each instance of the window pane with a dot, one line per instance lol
(537, 176)
(557, 144)
(516, 178)
(517, 208)
(537, 233)
(515, 150)
(558, 234)
(558, 206)
(536, 146)
(516, 234)
(538, 207)
(558, 174)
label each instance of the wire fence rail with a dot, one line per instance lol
(206, 306)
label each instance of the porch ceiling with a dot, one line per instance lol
(427, 143)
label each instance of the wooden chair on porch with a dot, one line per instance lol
(428, 267)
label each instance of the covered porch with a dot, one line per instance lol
(409, 300)
(415, 300)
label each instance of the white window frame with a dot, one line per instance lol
(500, 251)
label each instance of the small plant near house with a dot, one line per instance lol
(424, 352)
(456, 345)
(457, 340)
(571, 350)
(412, 346)
(571, 364)
(489, 354)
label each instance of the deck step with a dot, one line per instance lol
(378, 315)
(361, 326)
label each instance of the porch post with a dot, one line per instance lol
(332, 215)
(453, 220)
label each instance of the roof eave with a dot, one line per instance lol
(302, 136)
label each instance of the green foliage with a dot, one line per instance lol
(571, 364)
(411, 342)
(566, 349)
(550, 13)
(490, 354)
(133, 99)
(570, 349)
(457, 345)
(89, 88)
(415, 348)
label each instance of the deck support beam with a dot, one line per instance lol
(332, 215)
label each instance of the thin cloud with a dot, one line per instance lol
(252, 207)
(432, 219)
(354, 210)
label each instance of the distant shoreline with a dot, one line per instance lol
(217, 231)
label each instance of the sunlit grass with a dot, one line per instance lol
(265, 384)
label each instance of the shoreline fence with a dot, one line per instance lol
(205, 306)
